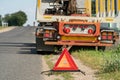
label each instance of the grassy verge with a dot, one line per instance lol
(109, 76)
(64, 75)
(2, 27)
(107, 63)
(91, 58)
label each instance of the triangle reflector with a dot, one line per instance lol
(65, 62)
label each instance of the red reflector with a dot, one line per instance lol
(85, 26)
(47, 35)
(66, 30)
(110, 37)
(71, 26)
(81, 26)
(104, 37)
(90, 31)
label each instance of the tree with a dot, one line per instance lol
(16, 19)
(0, 20)
(6, 18)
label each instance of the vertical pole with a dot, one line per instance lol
(113, 8)
(96, 48)
(97, 12)
(118, 6)
(104, 12)
(108, 8)
(101, 8)
(88, 6)
(38, 3)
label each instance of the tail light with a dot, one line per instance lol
(110, 37)
(107, 35)
(46, 35)
(104, 37)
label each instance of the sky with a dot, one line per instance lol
(11, 6)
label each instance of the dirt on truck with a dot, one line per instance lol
(63, 23)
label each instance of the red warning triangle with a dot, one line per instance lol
(65, 62)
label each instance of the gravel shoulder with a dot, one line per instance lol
(89, 73)
(6, 29)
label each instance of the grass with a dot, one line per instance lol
(91, 58)
(48, 61)
(2, 27)
(107, 63)
(109, 76)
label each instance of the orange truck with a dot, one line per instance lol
(60, 26)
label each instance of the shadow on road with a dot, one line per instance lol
(21, 48)
(18, 44)
(30, 48)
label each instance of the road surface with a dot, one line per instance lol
(18, 58)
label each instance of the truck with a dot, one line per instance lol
(63, 23)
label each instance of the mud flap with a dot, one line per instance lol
(40, 46)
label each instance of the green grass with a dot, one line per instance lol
(107, 63)
(109, 76)
(91, 58)
(2, 27)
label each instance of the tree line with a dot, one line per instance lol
(15, 19)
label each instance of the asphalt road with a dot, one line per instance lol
(18, 58)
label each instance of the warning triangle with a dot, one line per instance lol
(65, 62)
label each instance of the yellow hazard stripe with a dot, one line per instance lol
(86, 5)
(38, 3)
(96, 6)
(101, 6)
(108, 6)
(118, 3)
(113, 5)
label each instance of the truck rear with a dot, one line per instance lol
(62, 24)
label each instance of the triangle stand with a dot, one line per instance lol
(65, 63)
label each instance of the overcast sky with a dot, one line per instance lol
(11, 6)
